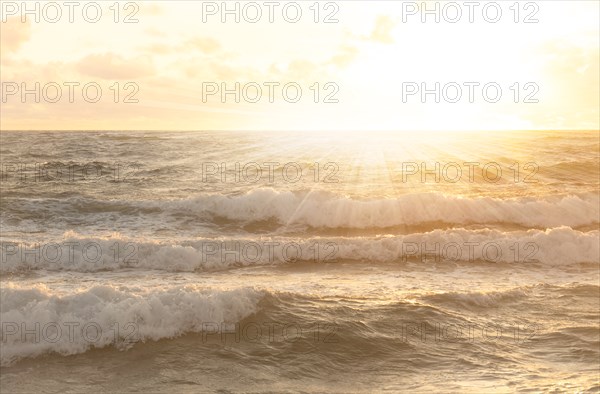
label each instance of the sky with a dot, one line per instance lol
(364, 70)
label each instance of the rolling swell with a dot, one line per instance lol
(337, 327)
(327, 210)
(323, 209)
(554, 247)
(140, 313)
(306, 333)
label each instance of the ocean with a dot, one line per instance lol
(214, 261)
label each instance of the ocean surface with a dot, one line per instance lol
(299, 262)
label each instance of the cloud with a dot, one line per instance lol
(150, 9)
(382, 31)
(152, 31)
(345, 56)
(569, 90)
(112, 66)
(159, 49)
(574, 70)
(204, 44)
(13, 34)
(207, 45)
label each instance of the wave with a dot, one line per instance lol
(507, 298)
(36, 321)
(557, 246)
(478, 299)
(325, 209)
(322, 209)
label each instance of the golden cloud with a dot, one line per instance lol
(113, 66)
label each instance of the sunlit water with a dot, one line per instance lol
(345, 263)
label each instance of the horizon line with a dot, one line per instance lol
(280, 130)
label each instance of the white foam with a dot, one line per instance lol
(104, 315)
(557, 246)
(324, 209)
